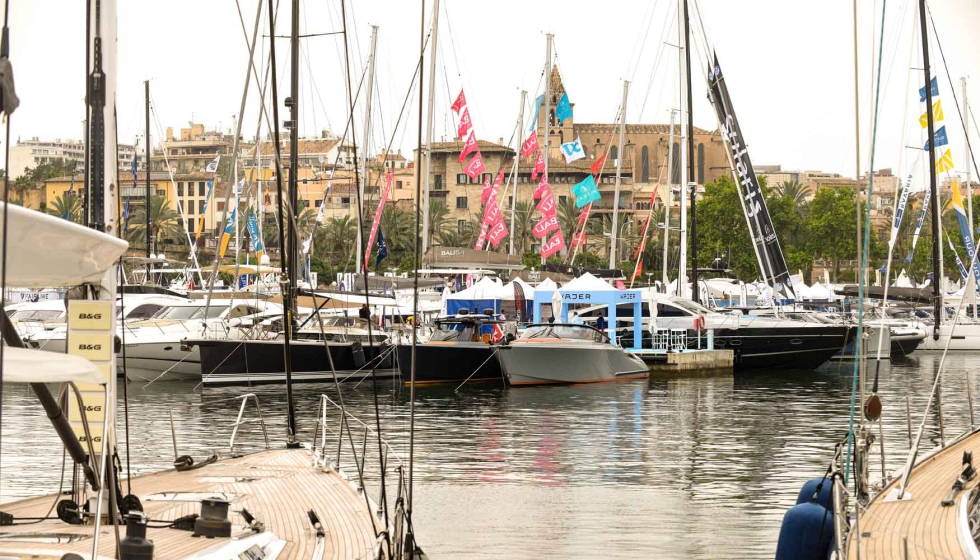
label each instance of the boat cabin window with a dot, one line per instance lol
(35, 314)
(348, 322)
(144, 311)
(452, 331)
(241, 311)
(668, 310)
(562, 331)
(182, 312)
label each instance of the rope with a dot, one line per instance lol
(4, 53)
(492, 355)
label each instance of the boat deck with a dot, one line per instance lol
(277, 487)
(929, 527)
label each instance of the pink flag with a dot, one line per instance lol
(459, 103)
(377, 220)
(530, 145)
(469, 146)
(553, 245)
(543, 187)
(497, 233)
(596, 166)
(475, 167)
(620, 285)
(547, 204)
(544, 226)
(491, 214)
(538, 167)
(489, 191)
(465, 124)
(483, 237)
(578, 240)
(583, 216)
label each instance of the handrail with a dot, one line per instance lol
(239, 421)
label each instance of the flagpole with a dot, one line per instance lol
(430, 126)
(934, 203)
(517, 165)
(619, 177)
(547, 113)
(369, 97)
(683, 175)
(149, 234)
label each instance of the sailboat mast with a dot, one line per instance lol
(426, 187)
(368, 98)
(934, 192)
(547, 111)
(690, 157)
(966, 141)
(146, 146)
(515, 172)
(670, 185)
(289, 299)
(682, 261)
(619, 176)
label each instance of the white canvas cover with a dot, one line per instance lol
(587, 283)
(21, 365)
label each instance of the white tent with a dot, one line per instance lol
(507, 291)
(586, 283)
(547, 285)
(819, 291)
(486, 288)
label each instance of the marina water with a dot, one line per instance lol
(688, 468)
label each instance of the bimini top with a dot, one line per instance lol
(21, 365)
(48, 251)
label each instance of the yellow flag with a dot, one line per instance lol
(937, 115)
(944, 163)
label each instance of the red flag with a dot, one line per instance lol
(638, 272)
(491, 214)
(538, 167)
(553, 245)
(487, 189)
(497, 335)
(475, 167)
(544, 226)
(530, 145)
(547, 204)
(469, 146)
(596, 166)
(459, 103)
(543, 187)
(483, 237)
(620, 285)
(465, 124)
(497, 233)
(377, 219)
(190, 286)
(578, 240)
(583, 216)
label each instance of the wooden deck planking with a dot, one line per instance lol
(286, 486)
(930, 528)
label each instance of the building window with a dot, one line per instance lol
(645, 164)
(462, 179)
(643, 205)
(318, 202)
(180, 189)
(675, 163)
(200, 189)
(438, 183)
(398, 184)
(460, 202)
(221, 206)
(345, 200)
(701, 164)
(461, 226)
(614, 153)
(190, 207)
(562, 198)
(161, 192)
(510, 201)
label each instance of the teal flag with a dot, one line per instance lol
(564, 109)
(586, 192)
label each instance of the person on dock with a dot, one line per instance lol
(364, 312)
(600, 323)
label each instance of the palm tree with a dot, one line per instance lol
(794, 191)
(398, 227)
(165, 223)
(338, 239)
(67, 206)
(523, 224)
(568, 214)
(438, 217)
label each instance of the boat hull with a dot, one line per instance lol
(965, 338)
(252, 362)
(554, 364)
(160, 361)
(766, 348)
(449, 362)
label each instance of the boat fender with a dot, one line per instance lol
(822, 488)
(358, 352)
(807, 530)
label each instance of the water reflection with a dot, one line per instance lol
(670, 468)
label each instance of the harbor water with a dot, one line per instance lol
(687, 468)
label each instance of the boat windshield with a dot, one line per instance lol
(349, 322)
(689, 305)
(181, 312)
(563, 331)
(35, 314)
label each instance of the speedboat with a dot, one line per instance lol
(458, 349)
(557, 353)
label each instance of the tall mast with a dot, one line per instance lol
(289, 299)
(670, 184)
(619, 176)
(933, 193)
(368, 98)
(682, 41)
(966, 141)
(547, 110)
(427, 186)
(691, 177)
(517, 165)
(149, 235)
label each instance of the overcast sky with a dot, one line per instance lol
(788, 63)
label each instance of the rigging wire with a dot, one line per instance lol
(4, 55)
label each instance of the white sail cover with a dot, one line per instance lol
(21, 365)
(48, 251)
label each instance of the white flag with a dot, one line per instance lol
(237, 189)
(213, 166)
(572, 150)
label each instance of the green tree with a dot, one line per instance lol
(67, 206)
(523, 225)
(832, 228)
(398, 227)
(794, 191)
(165, 223)
(438, 217)
(337, 240)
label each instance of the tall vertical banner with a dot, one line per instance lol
(964, 227)
(226, 235)
(377, 219)
(761, 228)
(256, 235)
(204, 208)
(918, 224)
(900, 210)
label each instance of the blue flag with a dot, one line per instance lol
(586, 191)
(537, 109)
(941, 139)
(126, 217)
(935, 90)
(564, 109)
(382, 252)
(242, 281)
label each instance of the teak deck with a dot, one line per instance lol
(929, 527)
(277, 487)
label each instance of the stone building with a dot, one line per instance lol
(33, 152)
